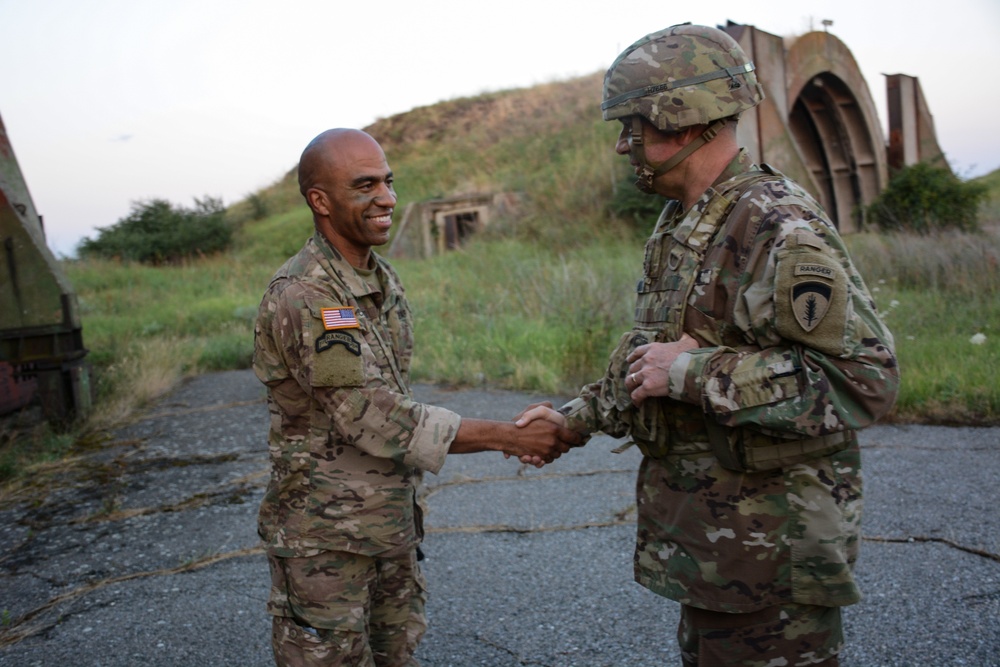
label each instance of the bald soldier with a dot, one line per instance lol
(755, 356)
(347, 443)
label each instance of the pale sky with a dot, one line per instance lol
(107, 102)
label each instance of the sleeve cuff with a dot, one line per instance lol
(576, 413)
(685, 377)
(432, 438)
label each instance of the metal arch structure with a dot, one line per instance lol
(818, 123)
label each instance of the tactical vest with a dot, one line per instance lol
(672, 268)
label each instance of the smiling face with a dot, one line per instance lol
(348, 185)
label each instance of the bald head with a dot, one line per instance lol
(331, 149)
(347, 184)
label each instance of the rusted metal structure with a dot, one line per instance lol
(819, 125)
(41, 336)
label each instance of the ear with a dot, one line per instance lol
(318, 201)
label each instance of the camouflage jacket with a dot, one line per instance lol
(792, 352)
(346, 443)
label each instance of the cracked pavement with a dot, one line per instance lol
(145, 551)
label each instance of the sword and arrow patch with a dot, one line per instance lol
(811, 295)
(810, 303)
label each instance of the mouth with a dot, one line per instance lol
(382, 220)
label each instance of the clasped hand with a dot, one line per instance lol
(539, 440)
(544, 415)
(649, 367)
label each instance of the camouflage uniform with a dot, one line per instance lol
(749, 493)
(347, 444)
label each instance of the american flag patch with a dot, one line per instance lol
(339, 318)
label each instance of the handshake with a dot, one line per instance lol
(536, 436)
(541, 436)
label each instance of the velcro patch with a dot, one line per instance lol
(341, 317)
(810, 302)
(331, 338)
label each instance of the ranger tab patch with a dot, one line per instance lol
(331, 338)
(341, 317)
(820, 270)
(810, 302)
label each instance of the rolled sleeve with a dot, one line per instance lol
(432, 438)
(389, 425)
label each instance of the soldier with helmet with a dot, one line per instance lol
(755, 356)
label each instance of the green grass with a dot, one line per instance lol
(512, 313)
(198, 315)
(518, 315)
(24, 444)
(936, 293)
(945, 377)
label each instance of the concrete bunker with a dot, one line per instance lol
(435, 226)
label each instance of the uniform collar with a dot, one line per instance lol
(699, 224)
(738, 165)
(341, 270)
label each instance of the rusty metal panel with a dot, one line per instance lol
(16, 389)
(912, 137)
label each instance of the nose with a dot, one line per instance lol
(623, 145)
(386, 196)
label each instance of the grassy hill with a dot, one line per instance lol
(547, 143)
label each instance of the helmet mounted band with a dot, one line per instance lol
(648, 173)
(731, 72)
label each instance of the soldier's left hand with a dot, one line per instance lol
(649, 367)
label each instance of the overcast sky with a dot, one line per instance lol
(107, 102)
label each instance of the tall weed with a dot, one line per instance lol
(958, 262)
(517, 315)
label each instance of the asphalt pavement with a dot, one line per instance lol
(145, 552)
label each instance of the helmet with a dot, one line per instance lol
(681, 76)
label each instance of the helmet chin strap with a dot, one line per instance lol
(649, 172)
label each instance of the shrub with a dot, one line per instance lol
(924, 198)
(156, 232)
(260, 208)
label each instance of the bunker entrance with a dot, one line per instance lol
(458, 227)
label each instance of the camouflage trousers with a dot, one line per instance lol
(788, 635)
(341, 609)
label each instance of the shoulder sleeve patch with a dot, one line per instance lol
(811, 300)
(335, 356)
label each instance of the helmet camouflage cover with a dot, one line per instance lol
(682, 76)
